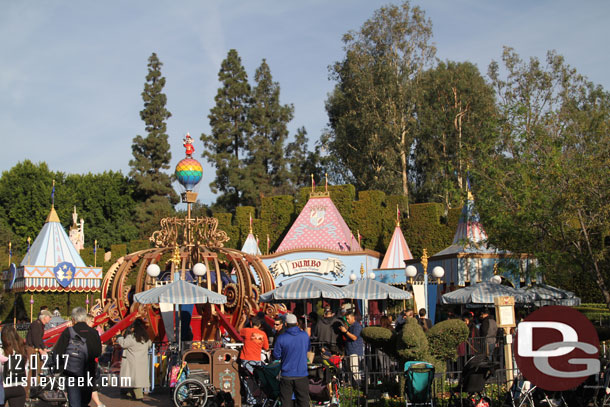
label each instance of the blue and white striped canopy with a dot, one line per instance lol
(484, 293)
(180, 292)
(549, 295)
(303, 289)
(369, 289)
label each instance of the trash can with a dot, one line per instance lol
(225, 372)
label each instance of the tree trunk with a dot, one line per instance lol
(403, 167)
(599, 278)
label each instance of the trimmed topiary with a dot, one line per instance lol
(381, 338)
(444, 338)
(413, 344)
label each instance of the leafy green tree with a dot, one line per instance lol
(372, 108)
(455, 112)
(25, 198)
(545, 189)
(266, 161)
(302, 162)
(231, 130)
(109, 214)
(151, 154)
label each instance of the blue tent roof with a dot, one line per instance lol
(52, 246)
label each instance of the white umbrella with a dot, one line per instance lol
(179, 292)
(484, 293)
(303, 289)
(549, 295)
(369, 289)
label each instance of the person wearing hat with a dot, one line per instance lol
(36, 332)
(327, 331)
(291, 349)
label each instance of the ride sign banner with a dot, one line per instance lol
(556, 348)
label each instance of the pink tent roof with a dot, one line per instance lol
(319, 226)
(398, 251)
(469, 227)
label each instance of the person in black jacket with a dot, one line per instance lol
(489, 330)
(79, 395)
(36, 332)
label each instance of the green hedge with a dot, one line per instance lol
(445, 336)
(373, 214)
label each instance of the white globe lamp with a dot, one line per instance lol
(199, 269)
(438, 272)
(352, 277)
(411, 271)
(372, 276)
(496, 280)
(153, 270)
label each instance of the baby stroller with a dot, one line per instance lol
(266, 378)
(524, 394)
(320, 379)
(47, 386)
(474, 376)
(418, 383)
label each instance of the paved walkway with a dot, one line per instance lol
(111, 397)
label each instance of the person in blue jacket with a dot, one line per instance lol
(291, 349)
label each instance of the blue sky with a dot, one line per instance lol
(72, 72)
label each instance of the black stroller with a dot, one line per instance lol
(472, 382)
(47, 387)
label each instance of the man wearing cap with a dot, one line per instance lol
(36, 332)
(291, 348)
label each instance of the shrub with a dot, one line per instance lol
(413, 344)
(444, 337)
(381, 338)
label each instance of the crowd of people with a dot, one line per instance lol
(75, 355)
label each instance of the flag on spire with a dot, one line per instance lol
(397, 216)
(53, 194)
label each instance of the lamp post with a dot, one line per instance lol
(437, 272)
(153, 270)
(199, 270)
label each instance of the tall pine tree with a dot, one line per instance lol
(230, 132)
(151, 154)
(266, 159)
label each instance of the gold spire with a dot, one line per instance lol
(250, 222)
(362, 270)
(52, 216)
(424, 260)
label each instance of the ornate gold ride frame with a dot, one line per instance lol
(189, 232)
(179, 244)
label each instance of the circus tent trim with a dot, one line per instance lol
(53, 264)
(320, 246)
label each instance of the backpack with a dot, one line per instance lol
(77, 354)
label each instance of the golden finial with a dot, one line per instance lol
(397, 216)
(250, 222)
(362, 270)
(176, 258)
(313, 184)
(424, 260)
(326, 185)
